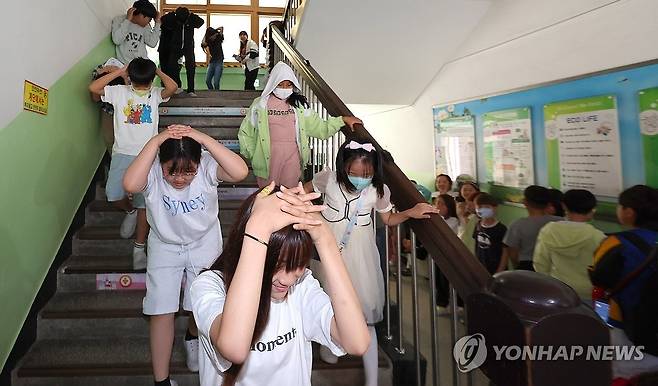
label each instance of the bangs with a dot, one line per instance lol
(293, 248)
(183, 165)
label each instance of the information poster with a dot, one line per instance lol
(35, 98)
(582, 145)
(649, 129)
(454, 146)
(508, 147)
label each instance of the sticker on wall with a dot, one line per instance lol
(35, 98)
(120, 281)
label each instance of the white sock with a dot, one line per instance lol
(371, 359)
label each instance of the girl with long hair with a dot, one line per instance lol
(258, 308)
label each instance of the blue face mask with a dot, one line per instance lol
(485, 212)
(360, 183)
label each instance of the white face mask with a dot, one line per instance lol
(282, 93)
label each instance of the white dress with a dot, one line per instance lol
(360, 255)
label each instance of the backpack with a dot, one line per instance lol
(641, 320)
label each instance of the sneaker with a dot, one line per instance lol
(192, 354)
(442, 311)
(327, 356)
(139, 258)
(173, 383)
(128, 225)
(178, 91)
(191, 93)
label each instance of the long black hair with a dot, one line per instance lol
(346, 156)
(643, 200)
(297, 100)
(185, 152)
(288, 249)
(450, 203)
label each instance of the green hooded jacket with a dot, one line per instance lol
(254, 135)
(564, 250)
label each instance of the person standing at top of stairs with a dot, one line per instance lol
(177, 40)
(179, 184)
(275, 131)
(135, 122)
(131, 33)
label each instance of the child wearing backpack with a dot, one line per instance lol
(633, 309)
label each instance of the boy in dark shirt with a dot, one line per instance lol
(489, 234)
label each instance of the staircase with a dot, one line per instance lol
(89, 336)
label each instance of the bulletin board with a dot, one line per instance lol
(630, 106)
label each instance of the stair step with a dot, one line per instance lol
(95, 304)
(229, 94)
(183, 379)
(103, 213)
(199, 110)
(99, 240)
(89, 328)
(196, 122)
(98, 264)
(217, 101)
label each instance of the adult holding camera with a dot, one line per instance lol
(212, 45)
(176, 41)
(248, 57)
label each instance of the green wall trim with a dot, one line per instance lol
(48, 163)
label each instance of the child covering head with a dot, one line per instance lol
(135, 122)
(179, 182)
(259, 308)
(564, 249)
(351, 193)
(275, 131)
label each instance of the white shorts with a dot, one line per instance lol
(166, 265)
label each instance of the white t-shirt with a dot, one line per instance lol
(186, 215)
(135, 117)
(283, 354)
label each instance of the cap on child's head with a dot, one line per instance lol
(141, 71)
(579, 201)
(146, 8)
(485, 199)
(536, 196)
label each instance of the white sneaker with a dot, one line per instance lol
(327, 356)
(128, 225)
(173, 383)
(178, 91)
(192, 357)
(192, 94)
(139, 258)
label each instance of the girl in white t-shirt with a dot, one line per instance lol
(258, 308)
(179, 182)
(350, 194)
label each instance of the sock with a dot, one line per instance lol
(189, 336)
(371, 359)
(164, 382)
(139, 245)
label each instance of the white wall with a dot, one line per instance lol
(384, 51)
(42, 39)
(520, 43)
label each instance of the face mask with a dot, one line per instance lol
(282, 93)
(140, 93)
(485, 212)
(359, 183)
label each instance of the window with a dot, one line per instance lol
(232, 24)
(235, 16)
(263, 22)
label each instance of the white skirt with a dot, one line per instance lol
(361, 259)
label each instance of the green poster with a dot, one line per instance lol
(508, 147)
(454, 146)
(582, 145)
(649, 130)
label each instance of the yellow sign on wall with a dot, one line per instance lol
(35, 98)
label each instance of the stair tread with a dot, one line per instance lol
(201, 121)
(99, 264)
(50, 357)
(105, 206)
(235, 94)
(91, 304)
(111, 232)
(210, 101)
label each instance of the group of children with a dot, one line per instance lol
(558, 239)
